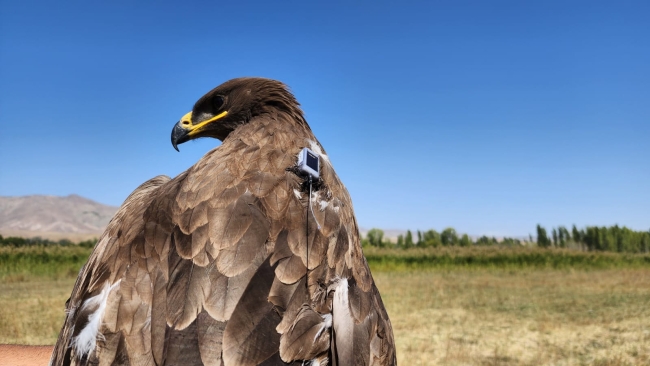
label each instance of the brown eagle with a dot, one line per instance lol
(239, 260)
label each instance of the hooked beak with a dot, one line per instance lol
(179, 135)
(184, 130)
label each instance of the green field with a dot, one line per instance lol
(386, 259)
(453, 306)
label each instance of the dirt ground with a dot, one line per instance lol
(13, 355)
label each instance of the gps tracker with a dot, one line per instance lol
(309, 163)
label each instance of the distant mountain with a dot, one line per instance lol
(43, 215)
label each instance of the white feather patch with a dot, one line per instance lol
(327, 324)
(323, 205)
(341, 317)
(315, 147)
(85, 342)
(340, 300)
(297, 193)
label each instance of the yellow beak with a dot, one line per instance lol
(184, 130)
(192, 130)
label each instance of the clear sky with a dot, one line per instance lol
(488, 116)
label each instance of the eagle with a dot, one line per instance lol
(242, 259)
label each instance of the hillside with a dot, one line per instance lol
(53, 217)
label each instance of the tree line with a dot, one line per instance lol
(611, 239)
(13, 241)
(590, 238)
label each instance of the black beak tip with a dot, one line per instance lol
(174, 143)
(179, 135)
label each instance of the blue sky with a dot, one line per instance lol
(488, 116)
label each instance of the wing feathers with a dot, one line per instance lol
(225, 292)
(110, 256)
(336, 252)
(182, 346)
(360, 302)
(299, 297)
(250, 336)
(233, 260)
(213, 267)
(210, 333)
(200, 240)
(281, 294)
(184, 292)
(158, 322)
(290, 267)
(228, 225)
(308, 336)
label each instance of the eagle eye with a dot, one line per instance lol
(217, 102)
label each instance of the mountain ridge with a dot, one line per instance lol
(46, 214)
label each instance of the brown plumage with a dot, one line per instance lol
(212, 267)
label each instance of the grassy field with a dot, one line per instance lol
(41, 262)
(31, 311)
(386, 259)
(463, 309)
(519, 317)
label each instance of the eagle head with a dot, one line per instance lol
(232, 104)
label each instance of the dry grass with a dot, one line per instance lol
(455, 316)
(521, 317)
(32, 312)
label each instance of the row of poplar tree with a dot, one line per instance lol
(613, 238)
